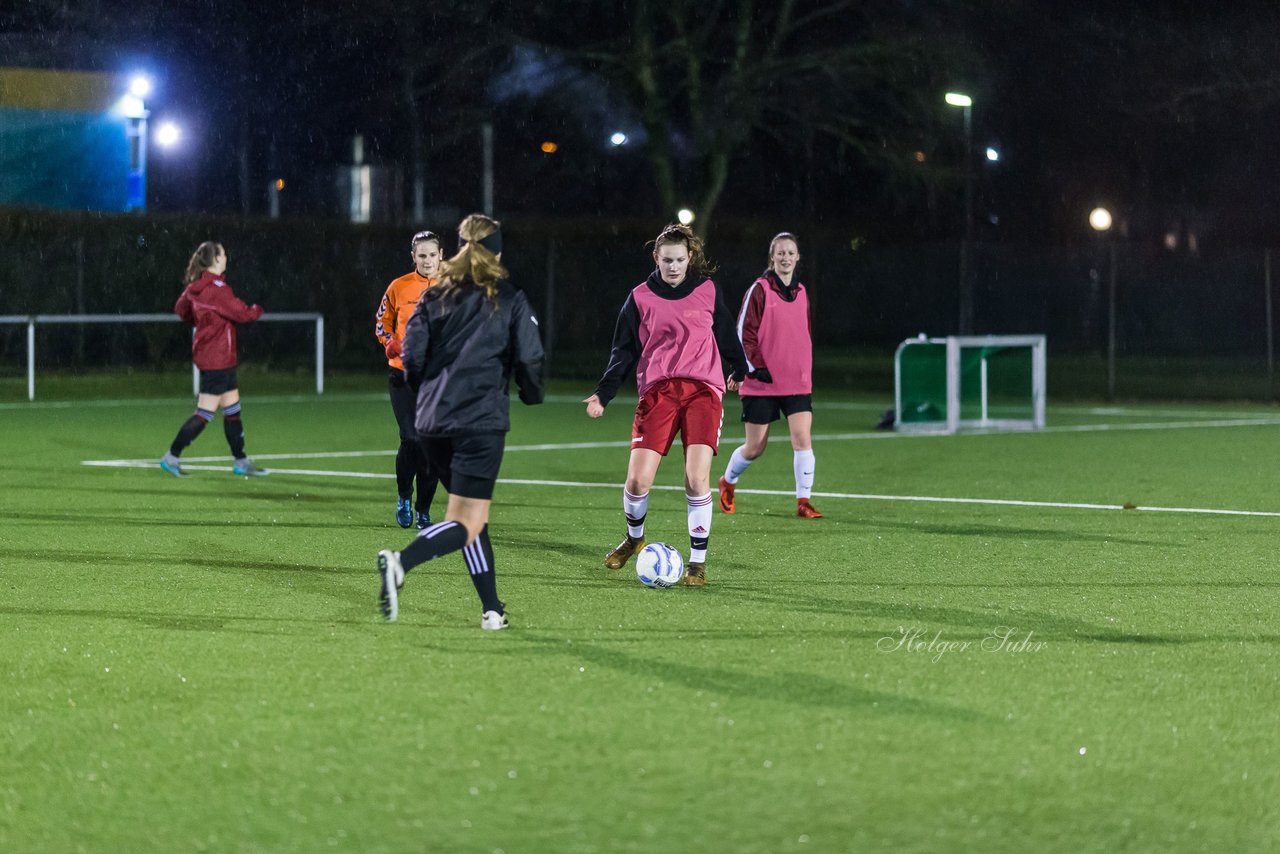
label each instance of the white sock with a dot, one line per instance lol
(803, 464)
(737, 466)
(636, 507)
(699, 526)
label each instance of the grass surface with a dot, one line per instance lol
(198, 664)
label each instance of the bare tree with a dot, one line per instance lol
(705, 78)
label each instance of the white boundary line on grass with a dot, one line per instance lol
(855, 496)
(819, 437)
(353, 396)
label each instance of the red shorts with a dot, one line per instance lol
(676, 405)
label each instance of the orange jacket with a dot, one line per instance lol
(397, 306)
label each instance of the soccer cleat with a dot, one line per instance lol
(695, 575)
(173, 467)
(404, 512)
(424, 520)
(244, 467)
(618, 557)
(492, 621)
(805, 510)
(392, 580)
(726, 496)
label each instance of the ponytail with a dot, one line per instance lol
(477, 260)
(202, 259)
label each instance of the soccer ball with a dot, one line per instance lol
(659, 565)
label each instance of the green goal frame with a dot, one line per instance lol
(989, 382)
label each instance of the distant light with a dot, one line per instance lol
(549, 147)
(279, 183)
(618, 138)
(1171, 241)
(920, 158)
(1100, 219)
(993, 155)
(685, 216)
(132, 107)
(140, 85)
(956, 99)
(168, 134)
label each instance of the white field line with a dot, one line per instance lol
(346, 397)
(854, 496)
(818, 437)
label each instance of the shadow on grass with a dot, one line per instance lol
(82, 517)
(284, 496)
(1004, 532)
(796, 689)
(183, 622)
(930, 619)
(160, 561)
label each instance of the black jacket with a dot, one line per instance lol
(460, 353)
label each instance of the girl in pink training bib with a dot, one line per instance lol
(776, 333)
(676, 332)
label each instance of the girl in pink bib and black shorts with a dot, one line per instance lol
(776, 334)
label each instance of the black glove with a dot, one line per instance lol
(761, 375)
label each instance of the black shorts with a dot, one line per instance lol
(404, 404)
(218, 382)
(763, 410)
(467, 465)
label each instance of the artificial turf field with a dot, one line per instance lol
(199, 664)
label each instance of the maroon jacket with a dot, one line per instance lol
(209, 305)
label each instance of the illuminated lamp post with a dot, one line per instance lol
(958, 99)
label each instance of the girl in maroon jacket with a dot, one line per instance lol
(774, 328)
(208, 304)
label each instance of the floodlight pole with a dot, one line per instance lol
(1271, 350)
(965, 102)
(966, 285)
(486, 139)
(1111, 321)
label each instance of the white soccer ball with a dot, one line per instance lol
(659, 565)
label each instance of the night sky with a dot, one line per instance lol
(1166, 114)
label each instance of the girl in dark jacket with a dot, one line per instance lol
(208, 304)
(468, 337)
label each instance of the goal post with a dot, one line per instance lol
(34, 320)
(944, 385)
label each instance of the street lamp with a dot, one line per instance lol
(1100, 221)
(168, 134)
(134, 110)
(958, 99)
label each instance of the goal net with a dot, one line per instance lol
(969, 381)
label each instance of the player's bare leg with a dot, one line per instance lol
(757, 441)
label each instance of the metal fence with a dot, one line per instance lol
(1204, 316)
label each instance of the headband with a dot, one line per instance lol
(493, 242)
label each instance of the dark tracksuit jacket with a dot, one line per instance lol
(461, 353)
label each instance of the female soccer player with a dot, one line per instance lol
(468, 336)
(393, 316)
(675, 330)
(776, 334)
(208, 304)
